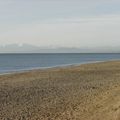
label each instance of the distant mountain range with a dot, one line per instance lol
(26, 48)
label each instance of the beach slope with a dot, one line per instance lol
(85, 92)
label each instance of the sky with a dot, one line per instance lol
(60, 23)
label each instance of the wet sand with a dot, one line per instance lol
(85, 92)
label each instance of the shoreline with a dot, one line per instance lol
(87, 92)
(52, 67)
(55, 67)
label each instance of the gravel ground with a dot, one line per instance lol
(85, 92)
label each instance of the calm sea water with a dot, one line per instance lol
(18, 62)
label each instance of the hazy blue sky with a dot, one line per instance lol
(66, 23)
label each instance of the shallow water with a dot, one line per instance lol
(18, 62)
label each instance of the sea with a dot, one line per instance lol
(21, 62)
